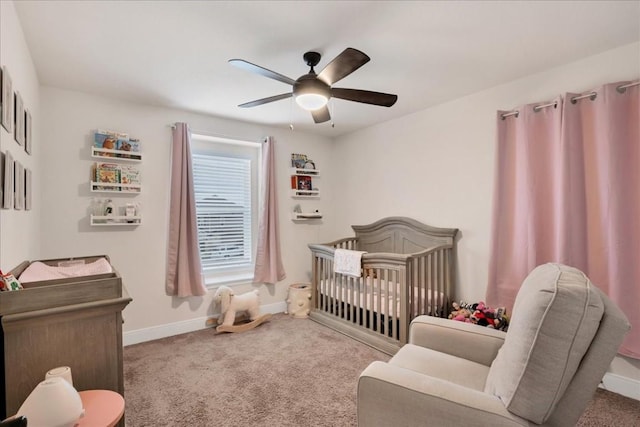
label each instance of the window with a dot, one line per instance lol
(225, 178)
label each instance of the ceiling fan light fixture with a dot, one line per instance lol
(310, 93)
(311, 101)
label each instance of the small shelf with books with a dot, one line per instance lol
(305, 172)
(114, 220)
(115, 187)
(105, 153)
(115, 145)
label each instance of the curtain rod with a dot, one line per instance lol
(215, 135)
(591, 95)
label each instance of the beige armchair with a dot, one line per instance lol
(562, 337)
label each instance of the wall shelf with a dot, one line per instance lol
(305, 172)
(115, 187)
(305, 216)
(114, 220)
(105, 153)
(305, 194)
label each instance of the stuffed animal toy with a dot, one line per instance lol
(230, 304)
(459, 313)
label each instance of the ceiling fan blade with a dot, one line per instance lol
(322, 115)
(365, 96)
(241, 63)
(342, 65)
(265, 100)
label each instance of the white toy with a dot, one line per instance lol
(230, 304)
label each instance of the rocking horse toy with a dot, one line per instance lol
(231, 304)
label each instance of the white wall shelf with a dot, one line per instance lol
(115, 187)
(305, 194)
(114, 220)
(305, 172)
(305, 216)
(105, 153)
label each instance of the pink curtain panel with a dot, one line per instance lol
(184, 271)
(567, 189)
(268, 268)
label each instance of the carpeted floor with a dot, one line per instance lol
(287, 372)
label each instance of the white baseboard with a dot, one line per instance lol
(622, 385)
(162, 331)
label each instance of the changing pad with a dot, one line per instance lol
(38, 271)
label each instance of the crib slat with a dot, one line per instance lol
(394, 304)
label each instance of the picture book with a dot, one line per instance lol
(130, 175)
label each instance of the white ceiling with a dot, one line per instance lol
(175, 53)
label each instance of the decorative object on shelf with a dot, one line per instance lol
(7, 100)
(108, 210)
(53, 403)
(130, 211)
(309, 165)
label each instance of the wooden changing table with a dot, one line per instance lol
(75, 322)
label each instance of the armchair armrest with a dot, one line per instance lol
(472, 342)
(390, 395)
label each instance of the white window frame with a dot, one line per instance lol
(225, 147)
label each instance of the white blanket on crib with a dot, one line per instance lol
(348, 262)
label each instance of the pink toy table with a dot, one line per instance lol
(102, 408)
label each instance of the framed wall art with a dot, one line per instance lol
(18, 202)
(27, 131)
(7, 101)
(27, 189)
(7, 197)
(19, 116)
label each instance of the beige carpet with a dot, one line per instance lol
(287, 372)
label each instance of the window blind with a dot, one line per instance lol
(223, 210)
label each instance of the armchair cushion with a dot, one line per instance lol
(555, 317)
(466, 340)
(436, 364)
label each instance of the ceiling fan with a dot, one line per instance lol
(312, 91)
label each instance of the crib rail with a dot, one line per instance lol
(431, 274)
(393, 289)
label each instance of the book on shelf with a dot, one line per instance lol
(129, 175)
(298, 160)
(115, 141)
(304, 183)
(108, 173)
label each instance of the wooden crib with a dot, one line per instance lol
(408, 270)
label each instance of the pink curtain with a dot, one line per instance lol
(268, 268)
(567, 190)
(184, 271)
